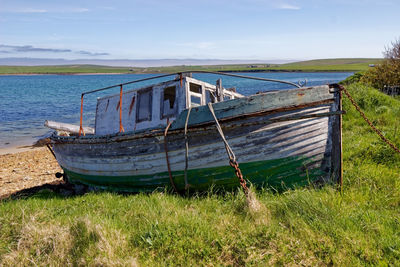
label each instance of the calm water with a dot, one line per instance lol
(27, 101)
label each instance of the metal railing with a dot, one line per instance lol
(391, 90)
(121, 128)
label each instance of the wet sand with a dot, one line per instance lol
(28, 169)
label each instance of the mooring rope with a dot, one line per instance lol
(121, 127)
(229, 150)
(171, 179)
(187, 149)
(80, 120)
(232, 158)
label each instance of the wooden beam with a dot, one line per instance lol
(220, 91)
(59, 126)
(282, 99)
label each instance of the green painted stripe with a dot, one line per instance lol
(279, 174)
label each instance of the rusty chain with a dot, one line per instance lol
(233, 163)
(239, 175)
(353, 102)
(232, 158)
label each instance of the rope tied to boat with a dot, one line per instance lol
(232, 158)
(171, 179)
(121, 127)
(81, 118)
(187, 149)
(378, 132)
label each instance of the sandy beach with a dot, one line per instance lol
(27, 169)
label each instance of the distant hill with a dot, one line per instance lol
(336, 61)
(144, 63)
(38, 66)
(344, 64)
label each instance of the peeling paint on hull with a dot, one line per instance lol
(277, 174)
(281, 140)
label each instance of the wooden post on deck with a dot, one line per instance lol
(220, 91)
(121, 128)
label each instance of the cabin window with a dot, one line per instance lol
(168, 102)
(195, 93)
(195, 88)
(195, 101)
(144, 105)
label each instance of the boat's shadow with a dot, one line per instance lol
(60, 189)
(49, 190)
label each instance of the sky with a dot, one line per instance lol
(202, 29)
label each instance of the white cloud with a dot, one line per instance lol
(38, 10)
(31, 10)
(78, 10)
(8, 49)
(288, 6)
(107, 8)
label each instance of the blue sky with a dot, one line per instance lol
(208, 29)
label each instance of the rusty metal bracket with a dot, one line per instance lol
(334, 88)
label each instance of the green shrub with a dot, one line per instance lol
(387, 73)
(355, 78)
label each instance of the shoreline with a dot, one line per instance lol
(20, 145)
(22, 170)
(17, 149)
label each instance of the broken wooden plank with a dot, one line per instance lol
(283, 99)
(60, 126)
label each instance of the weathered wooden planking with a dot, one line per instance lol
(279, 174)
(245, 126)
(273, 145)
(283, 99)
(336, 140)
(283, 145)
(282, 139)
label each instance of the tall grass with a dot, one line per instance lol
(361, 226)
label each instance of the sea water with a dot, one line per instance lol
(26, 101)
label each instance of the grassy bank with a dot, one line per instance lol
(319, 65)
(347, 64)
(339, 64)
(301, 227)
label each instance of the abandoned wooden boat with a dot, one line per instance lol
(165, 135)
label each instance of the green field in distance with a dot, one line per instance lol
(344, 64)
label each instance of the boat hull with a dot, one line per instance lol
(279, 147)
(277, 174)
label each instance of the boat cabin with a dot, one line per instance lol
(151, 106)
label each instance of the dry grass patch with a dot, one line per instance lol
(39, 243)
(80, 243)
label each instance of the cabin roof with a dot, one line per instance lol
(140, 88)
